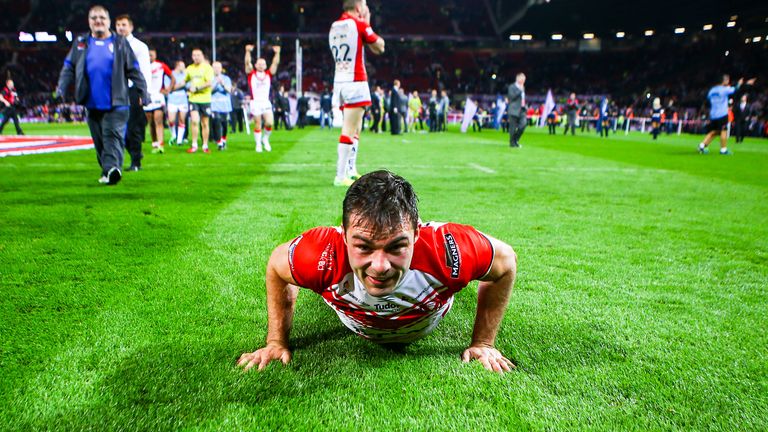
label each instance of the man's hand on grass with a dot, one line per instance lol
(489, 357)
(263, 356)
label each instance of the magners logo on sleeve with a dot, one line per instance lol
(452, 259)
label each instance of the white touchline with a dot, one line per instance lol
(482, 168)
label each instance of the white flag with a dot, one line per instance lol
(549, 105)
(470, 108)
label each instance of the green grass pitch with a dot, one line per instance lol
(640, 302)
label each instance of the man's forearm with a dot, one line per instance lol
(492, 299)
(248, 62)
(281, 299)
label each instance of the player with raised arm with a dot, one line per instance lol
(718, 113)
(178, 104)
(260, 84)
(157, 92)
(351, 93)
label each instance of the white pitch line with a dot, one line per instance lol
(482, 168)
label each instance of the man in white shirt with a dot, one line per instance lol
(137, 121)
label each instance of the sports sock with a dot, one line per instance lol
(702, 146)
(180, 134)
(267, 131)
(723, 149)
(343, 150)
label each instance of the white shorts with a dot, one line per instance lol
(351, 94)
(174, 108)
(260, 107)
(157, 101)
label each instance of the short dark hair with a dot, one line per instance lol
(124, 17)
(382, 201)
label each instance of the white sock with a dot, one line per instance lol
(194, 145)
(723, 149)
(702, 146)
(180, 134)
(352, 159)
(267, 133)
(343, 160)
(257, 137)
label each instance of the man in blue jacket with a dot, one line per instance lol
(100, 64)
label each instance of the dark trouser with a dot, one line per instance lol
(302, 120)
(517, 125)
(137, 125)
(394, 123)
(571, 123)
(739, 126)
(236, 120)
(376, 119)
(108, 133)
(219, 125)
(10, 113)
(325, 118)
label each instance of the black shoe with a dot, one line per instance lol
(113, 176)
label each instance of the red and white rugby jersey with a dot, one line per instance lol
(446, 258)
(347, 38)
(158, 70)
(260, 84)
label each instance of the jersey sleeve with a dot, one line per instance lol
(317, 258)
(366, 32)
(166, 69)
(455, 254)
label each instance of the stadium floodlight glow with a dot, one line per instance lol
(727, 53)
(746, 41)
(68, 34)
(514, 37)
(557, 36)
(680, 30)
(589, 36)
(757, 39)
(620, 35)
(649, 33)
(26, 37)
(493, 76)
(731, 24)
(527, 37)
(45, 37)
(707, 27)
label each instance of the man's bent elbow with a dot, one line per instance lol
(508, 259)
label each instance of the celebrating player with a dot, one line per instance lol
(718, 113)
(389, 277)
(157, 92)
(260, 83)
(178, 104)
(350, 82)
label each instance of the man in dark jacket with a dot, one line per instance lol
(516, 110)
(741, 112)
(394, 108)
(100, 64)
(376, 105)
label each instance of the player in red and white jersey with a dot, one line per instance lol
(260, 84)
(157, 90)
(389, 278)
(347, 37)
